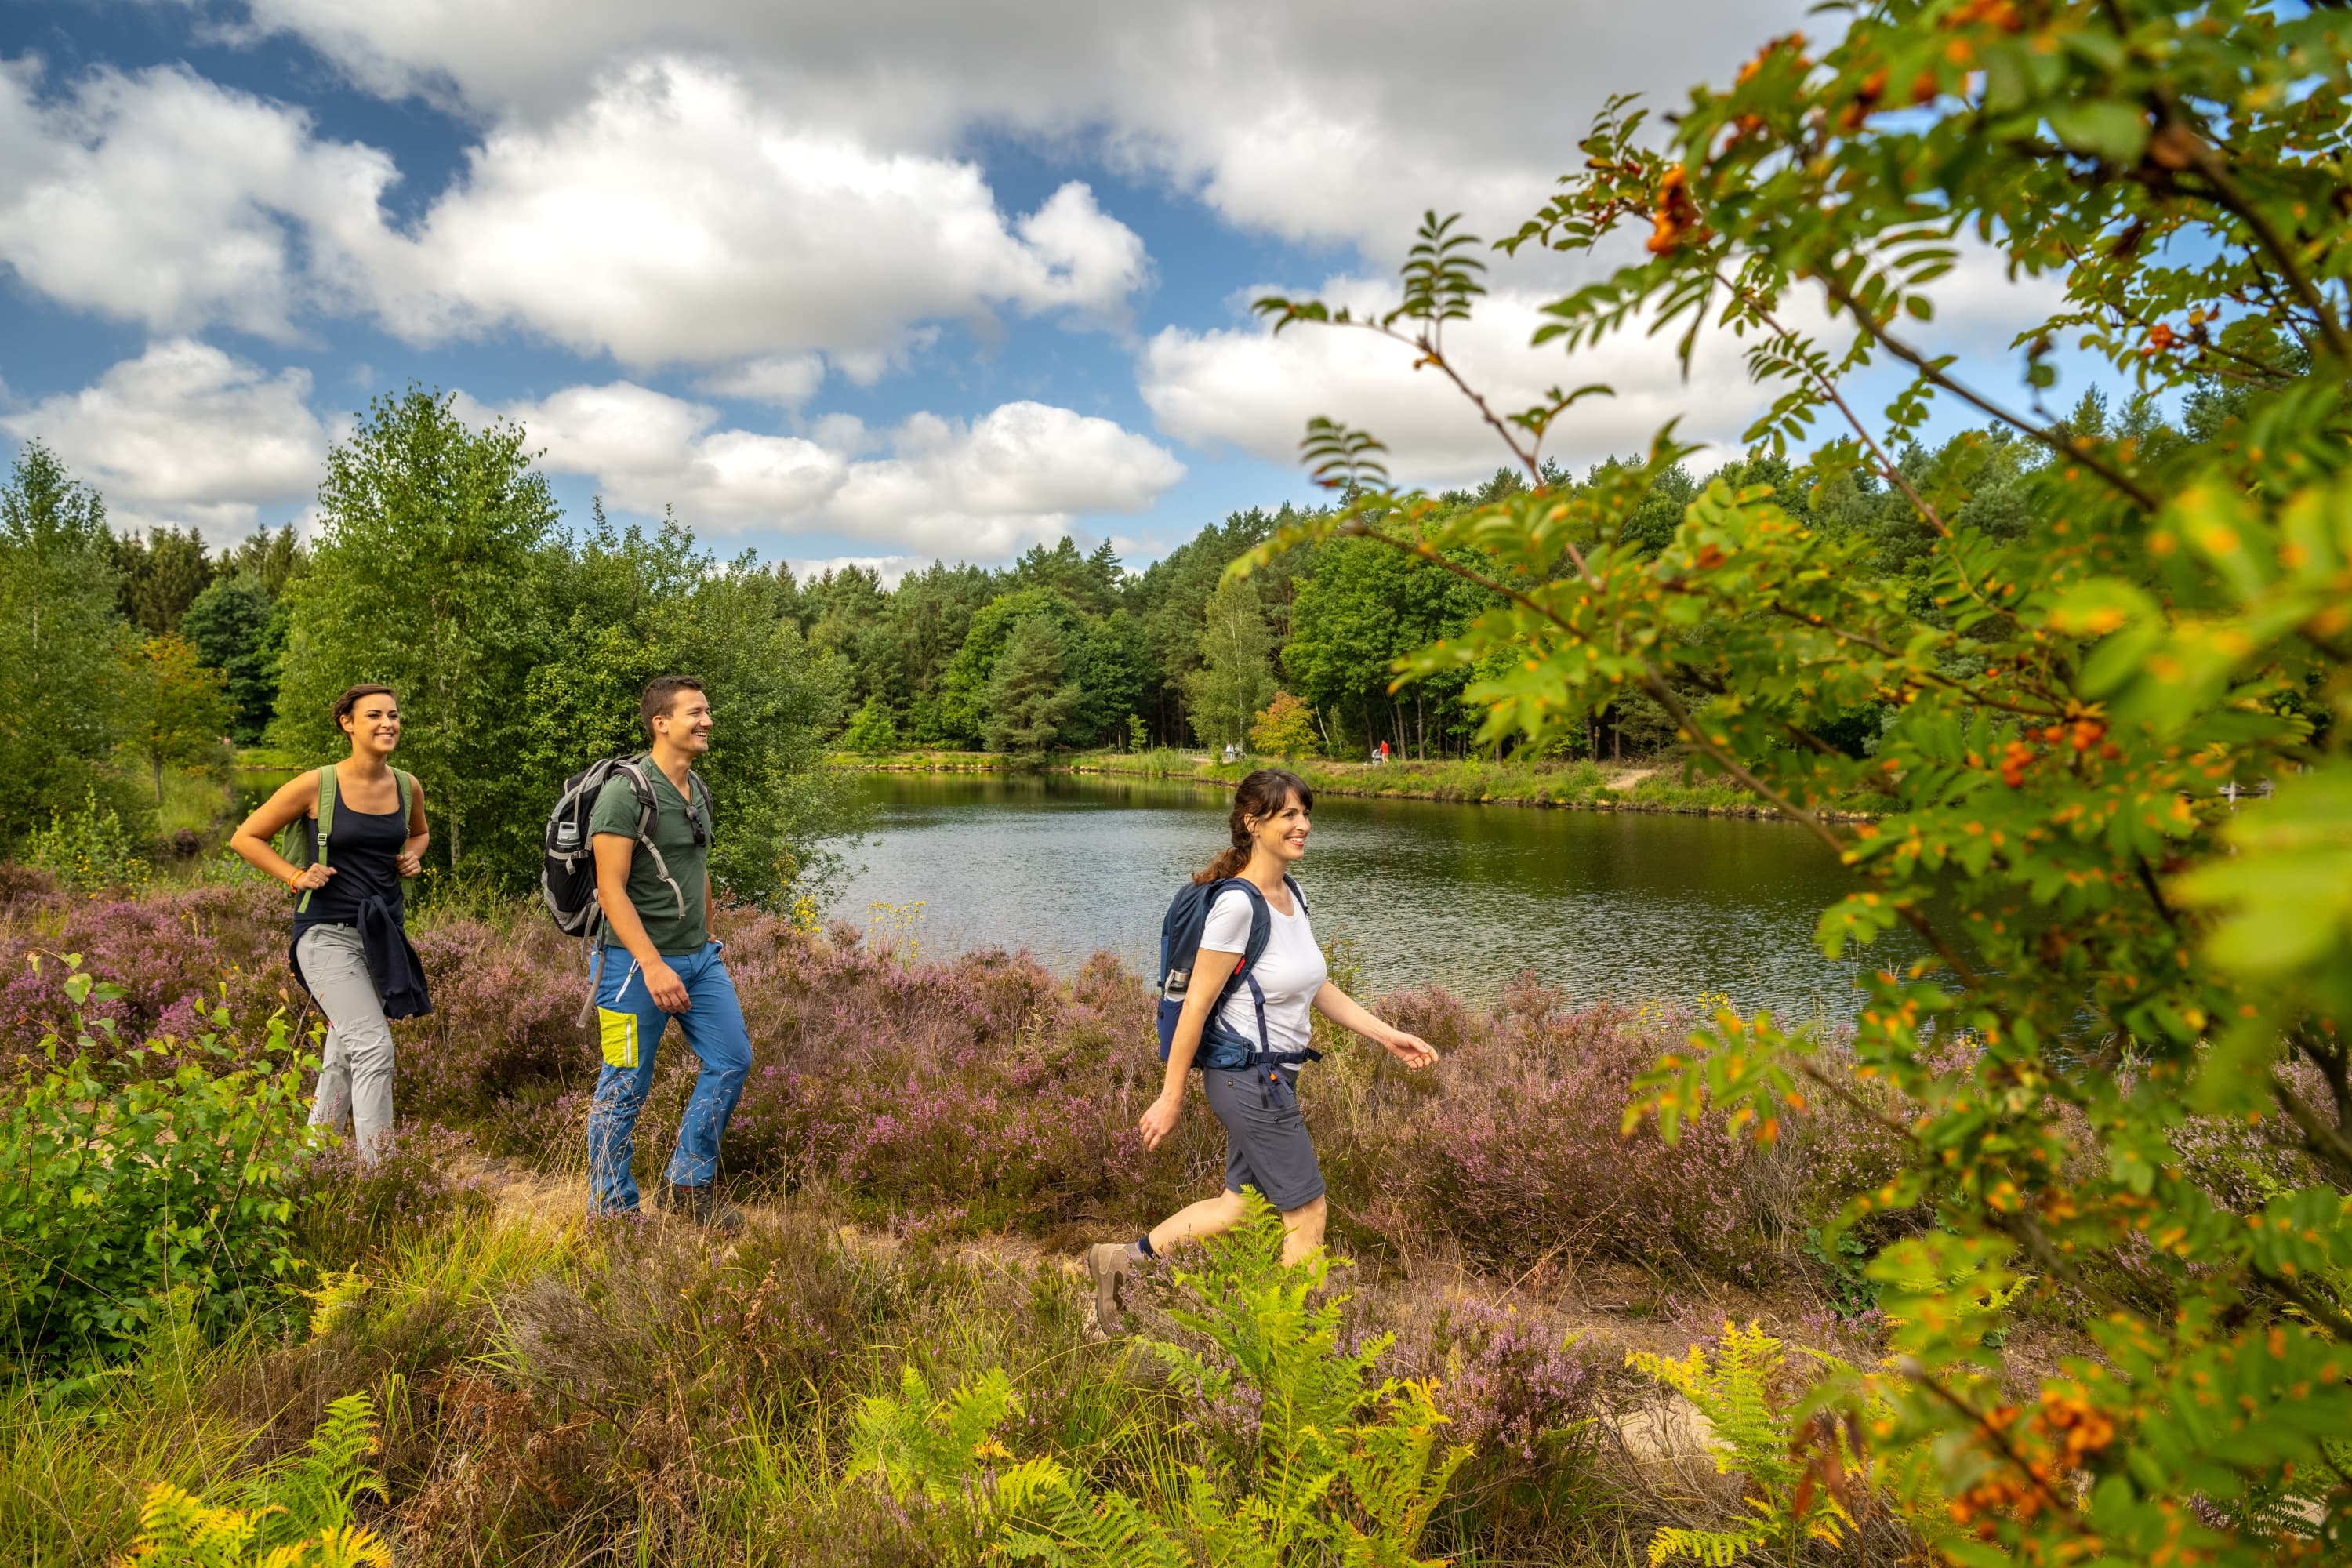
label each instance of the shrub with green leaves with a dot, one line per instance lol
(2106, 739)
(89, 850)
(1339, 1466)
(131, 1172)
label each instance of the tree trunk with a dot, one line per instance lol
(159, 780)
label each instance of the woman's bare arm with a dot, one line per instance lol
(1211, 969)
(1349, 1013)
(412, 854)
(296, 798)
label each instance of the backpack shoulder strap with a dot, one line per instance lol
(326, 825)
(1261, 929)
(405, 784)
(633, 769)
(1296, 891)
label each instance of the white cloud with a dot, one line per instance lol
(982, 490)
(164, 199)
(889, 568)
(1248, 388)
(785, 380)
(676, 215)
(680, 215)
(186, 434)
(1322, 119)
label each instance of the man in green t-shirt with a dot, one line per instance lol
(659, 961)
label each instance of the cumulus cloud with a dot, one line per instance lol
(1322, 119)
(979, 489)
(785, 380)
(673, 216)
(186, 434)
(1245, 387)
(680, 215)
(160, 198)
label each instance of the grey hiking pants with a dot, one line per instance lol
(355, 1072)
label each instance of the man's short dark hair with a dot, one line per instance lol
(661, 696)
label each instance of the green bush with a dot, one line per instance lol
(121, 1188)
(90, 850)
(2107, 729)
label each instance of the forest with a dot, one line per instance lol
(135, 664)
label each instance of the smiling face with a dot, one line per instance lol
(373, 725)
(1282, 834)
(686, 725)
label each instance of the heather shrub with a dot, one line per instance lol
(163, 961)
(347, 1208)
(1514, 1149)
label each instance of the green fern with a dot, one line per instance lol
(296, 1514)
(1754, 1436)
(1344, 1464)
(1716, 1548)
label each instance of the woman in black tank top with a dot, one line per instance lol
(363, 821)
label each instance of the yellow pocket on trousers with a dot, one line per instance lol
(620, 1032)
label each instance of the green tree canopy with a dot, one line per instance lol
(1029, 701)
(240, 630)
(181, 706)
(1235, 677)
(65, 692)
(428, 576)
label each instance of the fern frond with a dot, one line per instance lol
(1715, 1548)
(177, 1529)
(313, 1494)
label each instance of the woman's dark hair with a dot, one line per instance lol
(350, 699)
(1262, 795)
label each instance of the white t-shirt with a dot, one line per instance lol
(1290, 972)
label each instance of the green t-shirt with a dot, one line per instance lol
(669, 930)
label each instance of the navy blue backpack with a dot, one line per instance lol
(1179, 942)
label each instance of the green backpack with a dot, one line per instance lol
(296, 847)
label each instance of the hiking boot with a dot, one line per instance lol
(1107, 1261)
(701, 1205)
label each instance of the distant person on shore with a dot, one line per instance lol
(1251, 1033)
(658, 960)
(362, 824)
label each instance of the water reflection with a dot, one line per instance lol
(1600, 903)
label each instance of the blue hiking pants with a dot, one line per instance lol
(631, 1026)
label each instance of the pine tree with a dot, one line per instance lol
(1029, 703)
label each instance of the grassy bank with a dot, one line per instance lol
(1576, 785)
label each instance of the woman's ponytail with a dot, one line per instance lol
(1262, 795)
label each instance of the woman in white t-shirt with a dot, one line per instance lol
(1266, 1142)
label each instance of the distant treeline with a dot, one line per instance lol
(443, 569)
(1066, 650)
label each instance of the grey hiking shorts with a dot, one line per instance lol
(1266, 1145)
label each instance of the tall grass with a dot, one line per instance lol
(924, 1142)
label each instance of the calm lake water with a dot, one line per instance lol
(1630, 905)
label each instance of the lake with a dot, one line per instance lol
(1600, 903)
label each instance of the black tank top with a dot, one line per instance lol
(364, 850)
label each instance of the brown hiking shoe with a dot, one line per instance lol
(701, 1205)
(1106, 1262)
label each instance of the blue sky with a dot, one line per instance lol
(883, 283)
